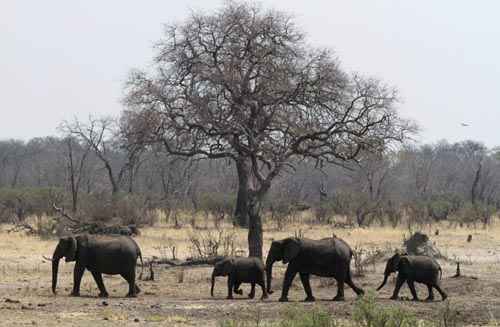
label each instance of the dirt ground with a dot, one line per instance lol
(180, 297)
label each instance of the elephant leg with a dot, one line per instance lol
(441, 292)
(304, 277)
(230, 284)
(77, 279)
(287, 282)
(399, 282)
(413, 291)
(98, 280)
(340, 290)
(430, 297)
(237, 289)
(132, 287)
(251, 295)
(262, 284)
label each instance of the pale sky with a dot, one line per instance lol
(61, 59)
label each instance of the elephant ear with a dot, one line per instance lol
(72, 247)
(290, 250)
(227, 266)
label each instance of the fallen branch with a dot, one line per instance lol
(64, 214)
(186, 263)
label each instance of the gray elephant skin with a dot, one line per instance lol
(238, 271)
(328, 257)
(411, 269)
(113, 255)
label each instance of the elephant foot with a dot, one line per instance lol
(75, 294)
(444, 297)
(229, 297)
(131, 295)
(338, 298)
(309, 299)
(360, 292)
(429, 299)
(103, 294)
(270, 291)
(251, 296)
(415, 299)
(264, 296)
(394, 297)
(239, 292)
(137, 289)
(283, 299)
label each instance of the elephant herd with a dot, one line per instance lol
(327, 257)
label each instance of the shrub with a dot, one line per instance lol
(294, 316)
(217, 205)
(123, 209)
(212, 243)
(16, 204)
(367, 313)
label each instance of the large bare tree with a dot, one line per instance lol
(242, 83)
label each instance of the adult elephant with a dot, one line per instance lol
(328, 257)
(113, 255)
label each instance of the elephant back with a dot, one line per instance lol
(331, 246)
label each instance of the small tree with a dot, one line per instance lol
(242, 83)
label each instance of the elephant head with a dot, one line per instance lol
(65, 248)
(284, 250)
(221, 268)
(396, 263)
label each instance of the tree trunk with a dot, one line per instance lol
(241, 211)
(254, 227)
(475, 183)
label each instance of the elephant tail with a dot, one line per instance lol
(139, 254)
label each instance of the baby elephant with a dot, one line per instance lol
(414, 268)
(240, 270)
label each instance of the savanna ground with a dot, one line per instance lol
(180, 297)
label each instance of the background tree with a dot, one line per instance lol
(111, 144)
(242, 83)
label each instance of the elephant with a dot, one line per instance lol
(411, 269)
(100, 255)
(240, 270)
(328, 257)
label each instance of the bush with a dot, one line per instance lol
(301, 317)
(367, 313)
(471, 214)
(16, 204)
(292, 316)
(122, 209)
(209, 244)
(217, 205)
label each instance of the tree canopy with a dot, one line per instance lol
(242, 83)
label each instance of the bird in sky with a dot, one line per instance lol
(464, 124)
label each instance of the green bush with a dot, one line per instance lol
(301, 317)
(292, 316)
(367, 313)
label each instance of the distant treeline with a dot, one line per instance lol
(416, 184)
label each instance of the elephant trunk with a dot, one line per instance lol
(55, 267)
(269, 273)
(386, 275)
(213, 284)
